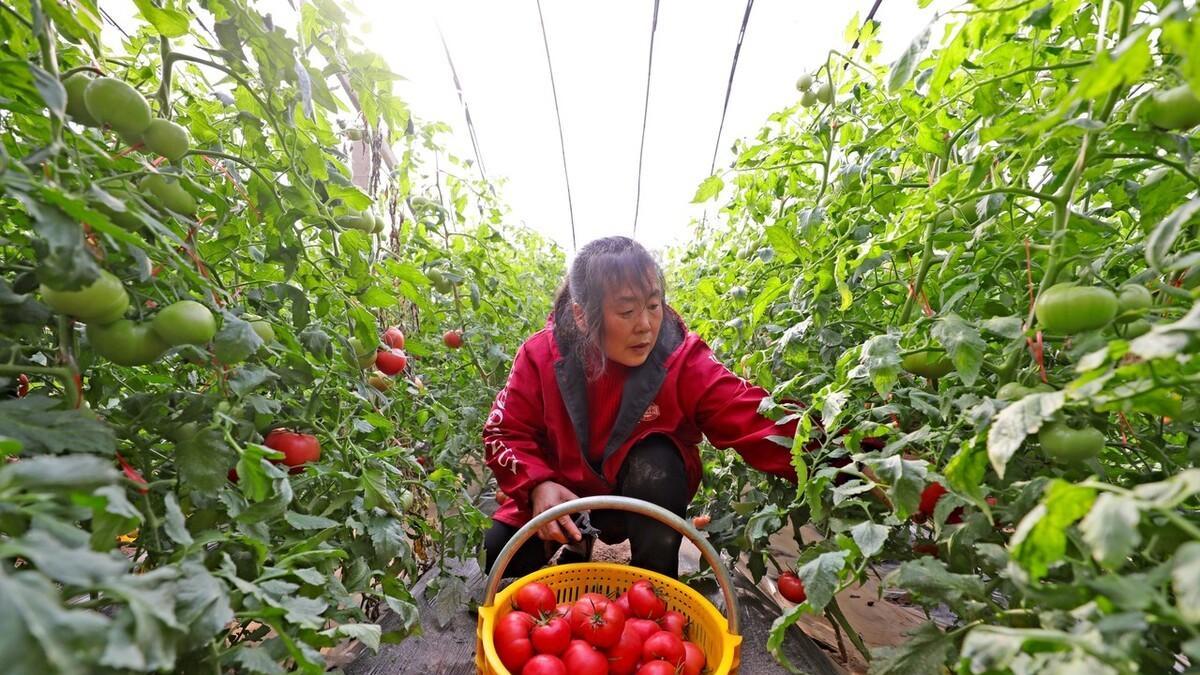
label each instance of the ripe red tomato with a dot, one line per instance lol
(232, 475)
(646, 601)
(600, 622)
(595, 597)
(929, 499)
(544, 664)
(701, 521)
(511, 637)
(551, 637)
(564, 610)
(693, 660)
(297, 449)
(791, 588)
(665, 646)
(622, 601)
(394, 337)
(926, 548)
(535, 599)
(581, 660)
(501, 498)
(644, 627)
(22, 385)
(674, 622)
(657, 668)
(453, 339)
(390, 361)
(624, 657)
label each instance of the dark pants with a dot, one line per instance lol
(653, 471)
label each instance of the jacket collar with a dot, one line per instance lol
(641, 386)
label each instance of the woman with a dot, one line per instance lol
(612, 397)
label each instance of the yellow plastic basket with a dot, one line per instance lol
(715, 634)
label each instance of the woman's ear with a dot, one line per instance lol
(580, 320)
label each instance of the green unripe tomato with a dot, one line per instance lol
(929, 363)
(186, 322)
(1174, 109)
(354, 134)
(363, 356)
(76, 105)
(264, 330)
(166, 138)
(379, 222)
(357, 220)
(1134, 298)
(167, 192)
(440, 281)
(1068, 309)
(808, 99)
(1138, 328)
(825, 93)
(126, 343)
(1062, 443)
(804, 82)
(102, 301)
(117, 104)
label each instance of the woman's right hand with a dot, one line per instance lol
(546, 496)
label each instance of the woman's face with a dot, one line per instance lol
(632, 319)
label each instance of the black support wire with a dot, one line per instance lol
(558, 115)
(645, 113)
(467, 112)
(737, 51)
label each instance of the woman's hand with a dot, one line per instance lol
(546, 496)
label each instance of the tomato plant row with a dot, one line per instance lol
(202, 471)
(986, 254)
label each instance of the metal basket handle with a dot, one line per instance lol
(631, 505)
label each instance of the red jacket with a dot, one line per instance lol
(539, 420)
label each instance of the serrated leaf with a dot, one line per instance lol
(1017, 421)
(709, 188)
(1185, 579)
(236, 340)
(51, 472)
(1111, 529)
(820, 577)
(1163, 236)
(963, 344)
(869, 537)
(1040, 539)
(925, 650)
(302, 521)
(904, 67)
(37, 635)
(880, 356)
(202, 603)
(174, 526)
(39, 423)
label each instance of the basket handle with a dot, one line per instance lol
(617, 503)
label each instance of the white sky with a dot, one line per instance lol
(599, 52)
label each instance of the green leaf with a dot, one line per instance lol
(69, 565)
(783, 241)
(169, 23)
(963, 344)
(869, 537)
(52, 91)
(174, 526)
(49, 472)
(202, 603)
(64, 260)
(1017, 421)
(302, 521)
(366, 633)
(906, 479)
(39, 423)
(904, 67)
(966, 471)
(881, 358)
(142, 635)
(38, 635)
(1185, 579)
(820, 577)
(258, 660)
(929, 579)
(1163, 236)
(1111, 529)
(236, 340)
(709, 188)
(203, 459)
(925, 650)
(1040, 539)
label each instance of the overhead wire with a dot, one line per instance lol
(466, 112)
(737, 51)
(645, 114)
(558, 116)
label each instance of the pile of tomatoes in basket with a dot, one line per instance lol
(633, 634)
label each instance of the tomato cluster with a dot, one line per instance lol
(633, 634)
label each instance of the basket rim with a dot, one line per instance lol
(487, 613)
